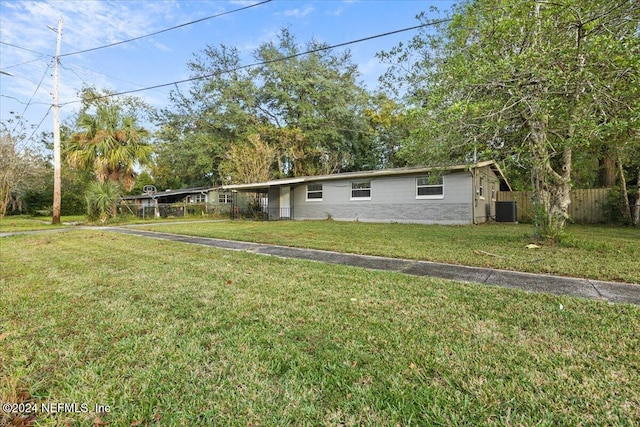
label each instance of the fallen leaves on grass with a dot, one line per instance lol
(22, 421)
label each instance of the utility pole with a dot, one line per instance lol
(57, 167)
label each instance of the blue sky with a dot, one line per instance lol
(163, 58)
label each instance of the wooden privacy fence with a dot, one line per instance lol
(587, 206)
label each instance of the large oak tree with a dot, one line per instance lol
(534, 83)
(303, 101)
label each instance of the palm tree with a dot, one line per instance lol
(102, 199)
(111, 144)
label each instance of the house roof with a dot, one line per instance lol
(182, 191)
(366, 175)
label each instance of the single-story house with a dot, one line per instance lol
(462, 194)
(174, 202)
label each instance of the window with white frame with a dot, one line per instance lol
(224, 198)
(429, 187)
(314, 192)
(481, 187)
(361, 190)
(197, 198)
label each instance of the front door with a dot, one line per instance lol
(285, 202)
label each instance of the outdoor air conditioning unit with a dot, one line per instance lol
(506, 212)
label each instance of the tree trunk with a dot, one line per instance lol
(552, 191)
(4, 201)
(560, 195)
(626, 209)
(606, 168)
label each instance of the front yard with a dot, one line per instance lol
(164, 333)
(595, 252)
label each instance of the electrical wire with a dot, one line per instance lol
(102, 74)
(256, 64)
(36, 129)
(34, 94)
(74, 72)
(165, 30)
(18, 76)
(23, 48)
(22, 63)
(22, 102)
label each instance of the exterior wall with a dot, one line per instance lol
(274, 198)
(273, 205)
(213, 197)
(393, 199)
(213, 204)
(485, 205)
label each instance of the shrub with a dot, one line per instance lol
(102, 198)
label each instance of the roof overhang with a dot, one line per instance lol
(167, 193)
(264, 186)
(496, 169)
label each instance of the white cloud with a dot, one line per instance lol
(243, 3)
(337, 12)
(86, 24)
(370, 70)
(298, 13)
(268, 35)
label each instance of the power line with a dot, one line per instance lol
(22, 102)
(167, 29)
(34, 94)
(18, 76)
(23, 63)
(74, 72)
(100, 73)
(23, 48)
(255, 64)
(36, 129)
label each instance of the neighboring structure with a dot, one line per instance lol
(186, 201)
(461, 194)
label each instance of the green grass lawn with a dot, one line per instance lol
(172, 334)
(595, 252)
(13, 223)
(17, 223)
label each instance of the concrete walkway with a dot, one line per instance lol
(614, 292)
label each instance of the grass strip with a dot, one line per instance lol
(594, 252)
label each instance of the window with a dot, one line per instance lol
(429, 187)
(361, 190)
(224, 198)
(481, 188)
(197, 198)
(314, 192)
